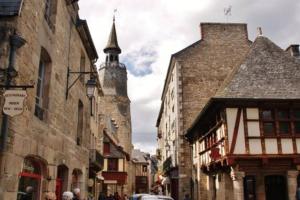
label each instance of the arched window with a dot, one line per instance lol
(43, 85)
(30, 179)
(50, 12)
(80, 123)
(82, 67)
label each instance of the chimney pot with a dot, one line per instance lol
(259, 31)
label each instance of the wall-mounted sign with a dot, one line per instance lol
(14, 102)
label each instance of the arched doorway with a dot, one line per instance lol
(76, 179)
(30, 179)
(275, 187)
(61, 181)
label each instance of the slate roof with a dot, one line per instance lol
(138, 156)
(10, 7)
(112, 43)
(267, 72)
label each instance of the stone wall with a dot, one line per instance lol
(53, 140)
(204, 67)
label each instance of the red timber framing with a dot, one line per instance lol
(235, 131)
(246, 130)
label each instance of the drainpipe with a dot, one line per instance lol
(16, 42)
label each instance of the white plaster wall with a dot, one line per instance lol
(298, 145)
(240, 141)
(231, 117)
(255, 146)
(252, 113)
(271, 146)
(287, 146)
(253, 129)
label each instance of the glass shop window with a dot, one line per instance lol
(249, 188)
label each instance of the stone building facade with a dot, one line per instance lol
(116, 103)
(50, 140)
(194, 75)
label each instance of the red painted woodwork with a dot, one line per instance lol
(215, 153)
(235, 132)
(120, 177)
(106, 148)
(58, 190)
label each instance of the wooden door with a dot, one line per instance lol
(275, 187)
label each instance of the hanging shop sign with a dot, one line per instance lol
(14, 102)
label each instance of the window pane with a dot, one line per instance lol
(296, 113)
(284, 127)
(283, 114)
(268, 128)
(297, 127)
(267, 114)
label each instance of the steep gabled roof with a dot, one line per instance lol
(268, 72)
(10, 7)
(112, 43)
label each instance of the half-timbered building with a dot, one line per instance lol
(246, 140)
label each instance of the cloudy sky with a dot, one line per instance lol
(149, 31)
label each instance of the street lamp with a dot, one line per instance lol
(90, 85)
(90, 88)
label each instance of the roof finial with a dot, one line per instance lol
(114, 18)
(259, 31)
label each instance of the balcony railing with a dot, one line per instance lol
(167, 165)
(96, 160)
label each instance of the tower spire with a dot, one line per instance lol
(112, 46)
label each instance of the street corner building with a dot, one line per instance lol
(246, 139)
(194, 75)
(52, 146)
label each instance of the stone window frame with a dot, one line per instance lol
(50, 13)
(82, 67)
(43, 85)
(80, 116)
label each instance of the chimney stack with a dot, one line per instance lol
(293, 49)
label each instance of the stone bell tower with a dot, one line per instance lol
(113, 78)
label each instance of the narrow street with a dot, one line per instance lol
(149, 100)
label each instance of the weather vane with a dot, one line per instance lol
(115, 10)
(227, 12)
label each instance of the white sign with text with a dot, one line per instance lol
(14, 102)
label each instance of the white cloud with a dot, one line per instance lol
(165, 27)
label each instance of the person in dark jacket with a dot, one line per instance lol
(298, 193)
(101, 196)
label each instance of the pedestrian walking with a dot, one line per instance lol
(298, 193)
(76, 193)
(67, 195)
(50, 196)
(186, 197)
(101, 196)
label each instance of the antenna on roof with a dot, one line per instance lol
(114, 18)
(259, 31)
(227, 12)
